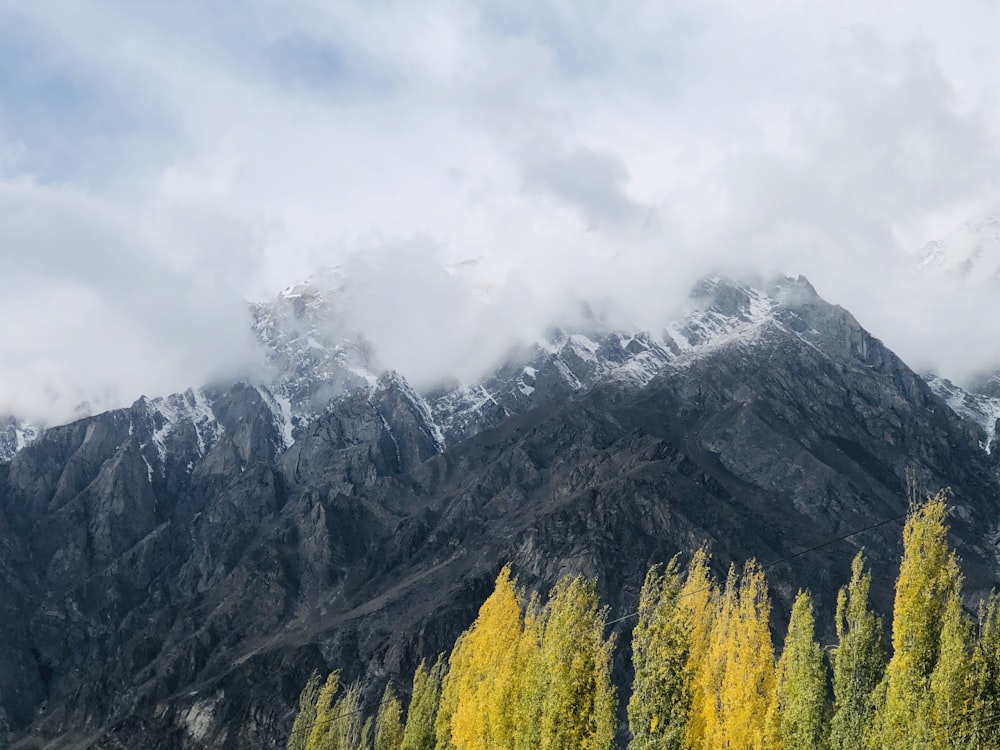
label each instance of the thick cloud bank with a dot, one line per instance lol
(161, 167)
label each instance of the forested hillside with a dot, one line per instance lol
(537, 674)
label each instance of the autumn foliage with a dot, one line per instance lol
(532, 674)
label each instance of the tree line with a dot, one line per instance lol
(532, 674)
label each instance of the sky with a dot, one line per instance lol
(162, 164)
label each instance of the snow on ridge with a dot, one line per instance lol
(191, 407)
(281, 413)
(526, 381)
(707, 329)
(15, 436)
(313, 354)
(25, 434)
(423, 410)
(640, 369)
(983, 410)
(583, 347)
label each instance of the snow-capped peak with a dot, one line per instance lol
(721, 313)
(312, 353)
(155, 422)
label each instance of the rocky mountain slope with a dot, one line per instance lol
(176, 569)
(15, 434)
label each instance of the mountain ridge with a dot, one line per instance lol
(207, 570)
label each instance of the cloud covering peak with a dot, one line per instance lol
(161, 166)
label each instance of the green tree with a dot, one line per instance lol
(367, 732)
(321, 736)
(388, 726)
(306, 716)
(418, 734)
(858, 662)
(661, 690)
(533, 679)
(928, 577)
(346, 722)
(579, 702)
(951, 682)
(984, 728)
(799, 705)
(447, 703)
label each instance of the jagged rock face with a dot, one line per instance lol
(312, 352)
(177, 569)
(981, 408)
(15, 435)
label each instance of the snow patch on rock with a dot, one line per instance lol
(981, 409)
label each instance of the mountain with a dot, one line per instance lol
(967, 262)
(979, 406)
(15, 434)
(176, 569)
(312, 353)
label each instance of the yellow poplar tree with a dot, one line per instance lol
(984, 729)
(483, 682)
(697, 603)
(661, 690)
(367, 732)
(534, 680)
(447, 703)
(951, 682)
(346, 723)
(742, 657)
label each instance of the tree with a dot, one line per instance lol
(418, 733)
(661, 690)
(858, 662)
(797, 712)
(698, 604)
(446, 705)
(534, 679)
(388, 727)
(741, 664)
(984, 729)
(306, 716)
(928, 577)
(347, 725)
(367, 732)
(951, 682)
(483, 684)
(322, 727)
(579, 702)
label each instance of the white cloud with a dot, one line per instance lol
(581, 149)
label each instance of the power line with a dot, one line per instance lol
(768, 566)
(359, 710)
(788, 558)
